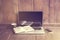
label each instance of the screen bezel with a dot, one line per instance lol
(30, 11)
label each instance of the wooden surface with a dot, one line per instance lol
(37, 5)
(25, 5)
(10, 8)
(7, 34)
(45, 11)
(55, 35)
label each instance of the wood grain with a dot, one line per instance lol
(57, 10)
(24, 37)
(52, 18)
(10, 8)
(25, 5)
(40, 37)
(37, 5)
(8, 11)
(45, 11)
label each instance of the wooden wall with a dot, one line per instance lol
(50, 8)
(35, 5)
(10, 8)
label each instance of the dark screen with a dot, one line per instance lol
(30, 16)
(35, 17)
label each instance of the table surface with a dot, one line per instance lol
(7, 34)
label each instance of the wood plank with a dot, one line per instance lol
(52, 15)
(37, 5)
(40, 37)
(57, 10)
(25, 5)
(1, 14)
(23, 37)
(1, 17)
(8, 9)
(45, 11)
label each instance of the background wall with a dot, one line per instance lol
(10, 8)
(50, 8)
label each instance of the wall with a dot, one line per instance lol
(50, 8)
(35, 5)
(10, 8)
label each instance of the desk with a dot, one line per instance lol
(32, 35)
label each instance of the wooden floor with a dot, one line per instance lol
(6, 33)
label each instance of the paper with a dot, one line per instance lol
(23, 29)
